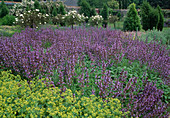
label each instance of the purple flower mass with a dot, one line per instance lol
(32, 53)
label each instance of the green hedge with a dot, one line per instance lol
(18, 98)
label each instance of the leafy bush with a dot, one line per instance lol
(3, 9)
(150, 16)
(95, 20)
(73, 17)
(105, 15)
(132, 20)
(154, 18)
(18, 98)
(161, 19)
(45, 7)
(154, 35)
(93, 12)
(8, 20)
(37, 5)
(85, 9)
(32, 19)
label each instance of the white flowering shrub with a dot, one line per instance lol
(22, 7)
(95, 20)
(72, 17)
(31, 18)
(46, 6)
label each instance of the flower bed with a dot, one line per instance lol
(102, 62)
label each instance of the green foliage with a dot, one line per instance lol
(58, 19)
(105, 15)
(8, 20)
(132, 20)
(114, 4)
(32, 19)
(154, 35)
(145, 13)
(54, 12)
(85, 9)
(113, 19)
(154, 18)
(150, 16)
(62, 9)
(3, 9)
(37, 5)
(161, 19)
(93, 12)
(18, 98)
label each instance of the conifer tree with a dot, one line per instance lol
(3, 9)
(150, 16)
(37, 5)
(62, 10)
(54, 12)
(93, 12)
(85, 8)
(105, 15)
(132, 20)
(161, 19)
(145, 13)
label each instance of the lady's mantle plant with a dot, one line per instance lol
(95, 20)
(31, 18)
(72, 17)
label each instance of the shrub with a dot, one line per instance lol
(3, 9)
(145, 15)
(132, 20)
(154, 35)
(85, 9)
(150, 16)
(62, 10)
(154, 18)
(37, 5)
(105, 15)
(32, 19)
(74, 18)
(95, 20)
(18, 98)
(8, 20)
(54, 12)
(161, 19)
(93, 12)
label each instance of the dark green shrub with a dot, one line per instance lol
(3, 10)
(161, 19)
(145, 13)
(132, 20)
(93, 12)
(154, 18)
(8, 20)
(37, 5)
(85, 9)
(54, 12)
(62, 9)
(105, 15)
(150, 16)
